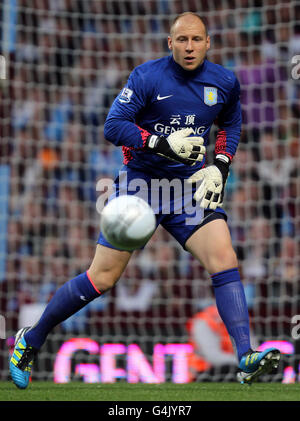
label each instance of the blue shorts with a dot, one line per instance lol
(171, 200)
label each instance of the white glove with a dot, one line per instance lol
(179, 146)
(185, 146)
(209, 193)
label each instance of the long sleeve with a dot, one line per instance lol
(120, 127)
(229, 122)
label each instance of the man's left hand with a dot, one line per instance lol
(213, 179)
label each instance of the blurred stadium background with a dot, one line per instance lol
(66, 60)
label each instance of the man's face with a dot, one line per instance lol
(189, 42)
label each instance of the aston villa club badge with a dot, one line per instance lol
(210, 95)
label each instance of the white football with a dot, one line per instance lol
(127, 222)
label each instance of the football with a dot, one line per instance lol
(127, 222)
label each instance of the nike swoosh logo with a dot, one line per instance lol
(159, 98)
(203, 219)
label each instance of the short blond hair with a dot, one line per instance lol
(186, 14)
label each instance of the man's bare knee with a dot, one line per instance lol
(107, 267)
(212, 246)
(221, 260)
(104, 280)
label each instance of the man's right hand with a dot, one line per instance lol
(179, 146)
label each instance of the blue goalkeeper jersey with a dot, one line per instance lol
(161, 97)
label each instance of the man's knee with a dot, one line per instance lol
(212, 246)
(103, 279)
(220, 260)
(107, 267)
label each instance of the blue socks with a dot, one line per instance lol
(232, 307)
(68, 299)
(79, 291)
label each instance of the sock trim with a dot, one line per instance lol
(224, 271)
(90, 279)
(225, 277)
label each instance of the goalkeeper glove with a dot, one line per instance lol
(178, 146)
(211, 191)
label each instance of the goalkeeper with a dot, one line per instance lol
(162, 119)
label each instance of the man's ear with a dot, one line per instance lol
(170, 43)
(208, 42)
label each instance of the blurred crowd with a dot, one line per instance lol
(68, 62)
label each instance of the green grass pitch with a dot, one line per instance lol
(121, 391)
